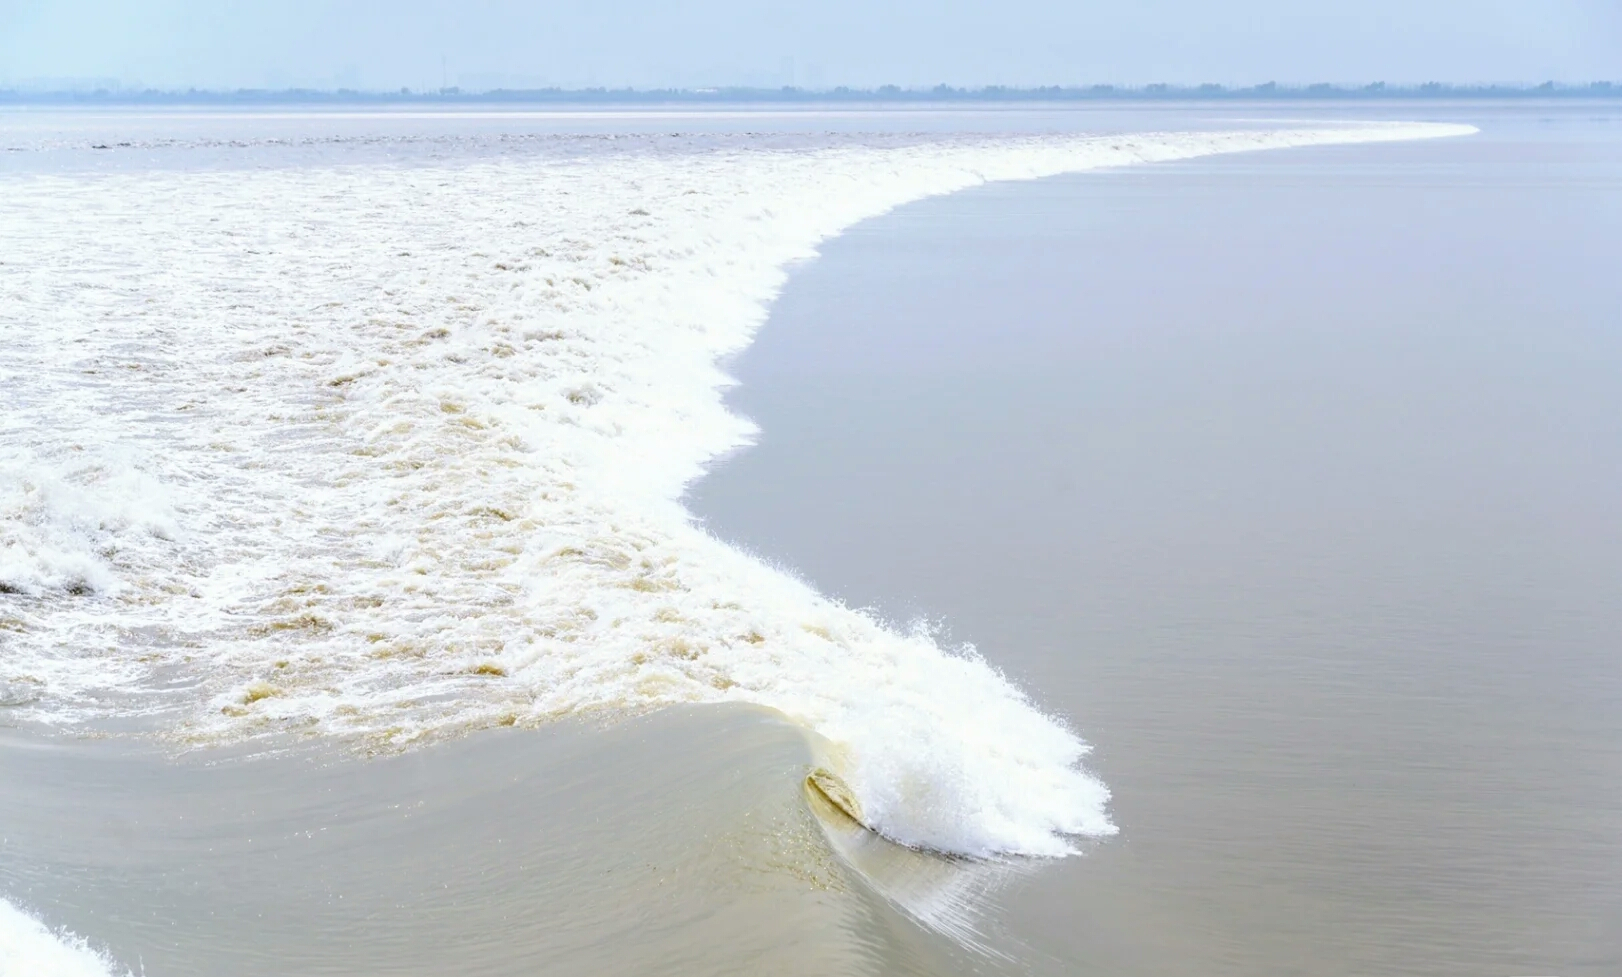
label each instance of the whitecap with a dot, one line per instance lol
(28, 948)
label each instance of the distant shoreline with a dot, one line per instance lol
(1599, 90)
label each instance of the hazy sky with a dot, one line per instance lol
(814, 43)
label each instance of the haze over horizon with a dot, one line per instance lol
(424, 44)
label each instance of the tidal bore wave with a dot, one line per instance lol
(393, 452)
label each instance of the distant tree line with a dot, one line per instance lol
(884, 93)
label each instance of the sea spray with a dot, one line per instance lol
(29, 949)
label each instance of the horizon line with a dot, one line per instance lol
(115, 93)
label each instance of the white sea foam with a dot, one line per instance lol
(394, 451)
(29, 949)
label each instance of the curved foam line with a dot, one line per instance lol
(397, 451)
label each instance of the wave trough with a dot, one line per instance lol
(392, 452)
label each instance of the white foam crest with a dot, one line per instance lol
(29, 949)
(62, 529)
(426, 429)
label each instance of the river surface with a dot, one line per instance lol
(356, 619)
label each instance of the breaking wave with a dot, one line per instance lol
(392, 452)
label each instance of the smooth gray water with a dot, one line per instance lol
(675, 844)
(1293, 481)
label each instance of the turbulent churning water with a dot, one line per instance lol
(390, 452)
